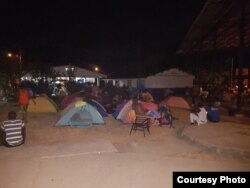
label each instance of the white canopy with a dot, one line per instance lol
(172, 78)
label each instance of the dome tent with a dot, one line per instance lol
(176, 101)
(80, 114)
(42, 104)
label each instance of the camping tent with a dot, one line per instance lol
(42, 104)
(70, 106)
(80, 114)
(176, 101)
(118, 109)
(92, 102)
(67, 100)
(124, 111)
(98, 106)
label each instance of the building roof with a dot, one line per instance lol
(219, 21)
(79, 72)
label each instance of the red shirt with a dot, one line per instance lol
(23, 98)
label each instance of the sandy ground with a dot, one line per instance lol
(104, 155)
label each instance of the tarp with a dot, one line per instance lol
(42, 104)
(176, 101)
(81, 114)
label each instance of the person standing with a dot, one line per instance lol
(23, 100)
(13, 130)
(195, 93)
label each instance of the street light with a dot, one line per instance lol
(9, 54)
(19, 57)
(96, 68)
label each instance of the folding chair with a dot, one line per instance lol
(167, 119)
(141, 123)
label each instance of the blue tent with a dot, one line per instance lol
(98, 106)
(81, 114)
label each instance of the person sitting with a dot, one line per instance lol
(198, 116)
(213, 113)
(146, 96)
(137, 107)
(13, 130)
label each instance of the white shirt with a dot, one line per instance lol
(202, 116)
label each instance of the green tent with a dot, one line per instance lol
(80, 114)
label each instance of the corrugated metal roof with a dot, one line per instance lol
(219, 21)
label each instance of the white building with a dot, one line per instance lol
(79, 73)
(168, 79)
(67, 72)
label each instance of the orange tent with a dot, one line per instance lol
(176, 101)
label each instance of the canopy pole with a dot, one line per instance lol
(241, 54)
(232, 72)
(215, 56)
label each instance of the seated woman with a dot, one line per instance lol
(137, 107)
(198, 116)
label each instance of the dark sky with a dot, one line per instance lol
(125, 38)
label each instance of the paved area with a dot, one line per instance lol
(108, 157)
(230, 135)
(60, 149)
(222, 137)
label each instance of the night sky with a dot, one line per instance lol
(125, 38)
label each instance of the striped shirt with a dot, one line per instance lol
(13, 131)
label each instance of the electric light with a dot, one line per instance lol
(9, 54)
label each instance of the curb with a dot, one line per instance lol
(218, 149)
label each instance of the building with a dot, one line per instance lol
(168, 79)
(74, 73)
(173, 79)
